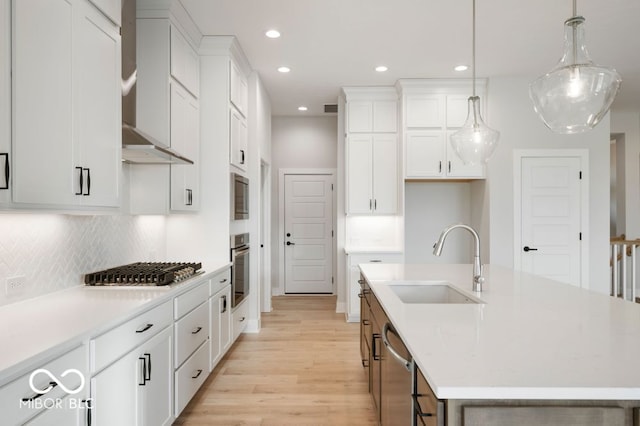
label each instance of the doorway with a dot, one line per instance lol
(307, 212)
(551, 214)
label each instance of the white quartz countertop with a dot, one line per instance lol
(534, 338)
(35, 330)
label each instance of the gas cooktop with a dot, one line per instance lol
(143, 274)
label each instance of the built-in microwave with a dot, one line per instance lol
(239, 197)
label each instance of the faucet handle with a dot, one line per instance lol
(478, 280)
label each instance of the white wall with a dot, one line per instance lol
(628, 123)
(297, 143)
(429, 208)
(511, 113)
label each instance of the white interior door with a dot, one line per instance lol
(551, 218)
(308, 231)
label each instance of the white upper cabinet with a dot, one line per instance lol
(167, 109)
(372, 174)
(238, 89)
(424, 111)
(185, 137)
(185, 63)
(66, 90)
(432, 111)
(239, 141)
(372, 116)
(5, 102)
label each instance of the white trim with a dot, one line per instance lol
(583, 155)
(265, 236)
(279, 290)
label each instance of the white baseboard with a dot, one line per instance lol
(341, 307)
(253, 326)
(353, 318)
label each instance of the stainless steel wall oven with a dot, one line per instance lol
(239, 268)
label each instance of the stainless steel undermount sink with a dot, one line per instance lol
(430, 292)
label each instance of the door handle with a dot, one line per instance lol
(289, 243)
(527, 248)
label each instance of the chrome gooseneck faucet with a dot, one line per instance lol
(478, 279)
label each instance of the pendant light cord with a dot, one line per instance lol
(473, 46)
(575, 7)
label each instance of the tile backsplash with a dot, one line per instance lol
(53, 252)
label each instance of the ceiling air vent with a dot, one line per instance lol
(331, 108)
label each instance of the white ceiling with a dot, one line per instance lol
(333, 43)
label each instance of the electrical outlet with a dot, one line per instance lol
(15, 285)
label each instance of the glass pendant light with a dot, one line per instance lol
(575, 95)
(475, 141)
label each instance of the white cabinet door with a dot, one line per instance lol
(136, 389)
(220, 324)
(155, 396)
(424, 154)
(98, 108)
(456, 167)
(238, 149)
(43, 165)
(385, 174)
(5, 102)
(185, 138)
(372, 116)
(238, 89)
(185, 63)
(424, 111)
(359, 174)
(66, 143)
(457, 110)
(360, 116)
(62, 414)
(385, 116)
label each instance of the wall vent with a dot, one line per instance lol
(331, 108)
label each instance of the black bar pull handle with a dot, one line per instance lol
(6, 170)
(148, 369)
(196, 330)
(224, 304)
(199, 372)
(88, 182)
(145, 328)
(527, 248)
(242, 156)
(38, 395)
(81, 181)
(449, 166)
(439, 166)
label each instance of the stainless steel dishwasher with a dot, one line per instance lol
(397, 380)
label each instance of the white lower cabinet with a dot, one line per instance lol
(353, 275)
(190, 376)
(136, 389)
(191, 310)
(240, 316)
(220, 307)
(19, 402)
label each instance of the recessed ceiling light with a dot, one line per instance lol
(284, 69)
(302, 108)
(381, 68)
(461, 68)
(272, 33)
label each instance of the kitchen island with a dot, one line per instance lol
(532, 341)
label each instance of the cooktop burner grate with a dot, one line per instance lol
(143, 274)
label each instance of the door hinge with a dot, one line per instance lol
(580, 175)
(331, 280)
(332, 187)
(332, 233)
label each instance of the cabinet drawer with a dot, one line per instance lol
(240, 317)
(113, 344)
(188, 301)
(190, 377)
(356, 259)
(220, 281)
(191, 331)
(12, 405)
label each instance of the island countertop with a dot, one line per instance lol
(533, 338)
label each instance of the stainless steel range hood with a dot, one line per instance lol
(137, 146)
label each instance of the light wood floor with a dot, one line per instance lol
(303, 368)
